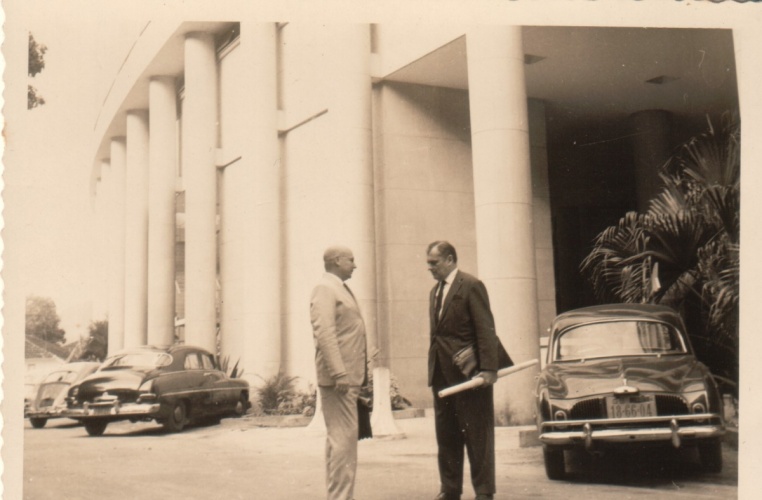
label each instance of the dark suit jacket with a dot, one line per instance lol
(466, 319)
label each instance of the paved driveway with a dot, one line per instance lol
(237, 460)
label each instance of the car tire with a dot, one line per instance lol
(241, 405)
(96, 427)
(175, 422)
(710, 455)
(555, 466)
(38, 422)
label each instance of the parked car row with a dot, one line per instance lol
(173, 385)
(617, 375)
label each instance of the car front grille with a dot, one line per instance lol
(670, 405)
(595, 408)
(124, 396)
(588, 409)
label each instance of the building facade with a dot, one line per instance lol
(231, 154)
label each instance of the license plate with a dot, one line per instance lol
(102, 410)
(633, 407)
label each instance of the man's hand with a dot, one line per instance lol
(372, 359)
(374, 352)
(489, 376)
(342, 384)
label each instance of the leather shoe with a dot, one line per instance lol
(482, 496)
(447, 496)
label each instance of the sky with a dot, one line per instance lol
(84, 55)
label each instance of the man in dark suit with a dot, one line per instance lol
(461, 317)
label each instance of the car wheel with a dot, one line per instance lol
(175, 422)
(710, 455)
(95, 427)
(555, 467)
(241, 405)
(38, 423)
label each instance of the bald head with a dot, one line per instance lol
(340, 261)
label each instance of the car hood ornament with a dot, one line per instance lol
(625, 389)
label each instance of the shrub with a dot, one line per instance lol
(224, 364)
(278, 396)
(398, 401)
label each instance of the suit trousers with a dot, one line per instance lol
(340, 413)
(466, 419)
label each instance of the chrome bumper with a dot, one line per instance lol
(46, 413)
(589, 432)
(114, 410)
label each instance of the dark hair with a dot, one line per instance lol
(444, 248)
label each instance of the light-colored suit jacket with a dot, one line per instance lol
(339, 333)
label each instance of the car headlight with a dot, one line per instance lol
(560, 415)
(698, 408)
(146, 394)
(697, 402)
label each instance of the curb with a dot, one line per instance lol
(731, 437)
(529, 437)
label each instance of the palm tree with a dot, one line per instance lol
(684, 251)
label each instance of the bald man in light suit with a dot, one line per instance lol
(341, 362)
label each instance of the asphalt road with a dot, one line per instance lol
(237, 460)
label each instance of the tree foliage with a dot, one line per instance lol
(42, 320)
(97, 342)
(36, 63)
(684, 251)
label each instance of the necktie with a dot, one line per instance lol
(440, 294)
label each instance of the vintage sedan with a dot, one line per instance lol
(172, 385)
(625, 375)
(49, 400)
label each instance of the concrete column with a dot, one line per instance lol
(116, 251)
(503, 205)
(351, 122)
(349, 113)
(262, 238)
(199, 143)
(162, 157)
(101, 249)
(541, 215)
(136, 230)
(650, 131)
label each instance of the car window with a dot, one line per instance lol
(66, 376)
(618, 338)
(192, 362)
(138, 359)
(207, 362)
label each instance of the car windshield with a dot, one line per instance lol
(618, 338)
(65, 376)
(146, 359)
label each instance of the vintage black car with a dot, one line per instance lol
(172, 385)
(49, 400)
(625, 375)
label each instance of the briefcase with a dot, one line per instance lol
(468, 363)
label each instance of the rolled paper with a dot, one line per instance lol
(478, 381)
